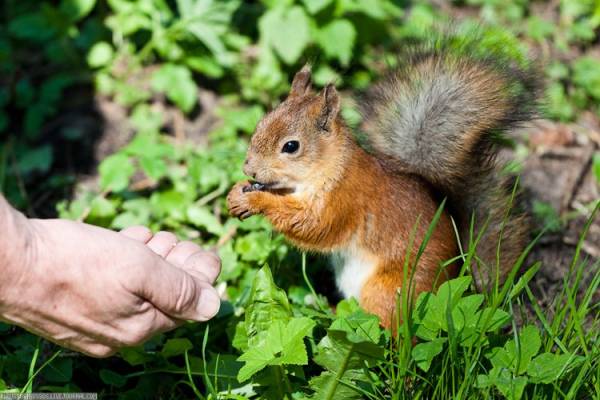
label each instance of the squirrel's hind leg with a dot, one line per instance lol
(379, 296)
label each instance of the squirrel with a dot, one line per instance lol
(429, 131)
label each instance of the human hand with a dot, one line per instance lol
(95, 290)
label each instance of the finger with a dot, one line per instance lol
(205, 262)
(139, 233)
(162, 243)
(202, 264)
(136, 330)
(96, 350)
(181, 252)
(177, 293)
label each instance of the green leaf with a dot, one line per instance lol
(208, 21)
(328, 385)
(169, 203)
(112, 378)
(203, 218)
(154, 168)
(424, 353)
(76, 9)
(177, 83)
(267, 305)
(586, 74)
(282, 344)
(32, 26)
(314, 6)
(517, 358)
(101, 207)
(115, 172)
(287, 31)
(175, 347)
(548, 367)
(59, 370)
(134, 355)
(343, 356)
(337, 40)
(511, 387)
(255, 246)
(100, 55)
(38, 159)
(356, 322)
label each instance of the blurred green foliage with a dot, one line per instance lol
(142, 52)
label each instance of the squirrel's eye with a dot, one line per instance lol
(291, 147)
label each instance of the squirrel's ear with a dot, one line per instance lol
(302, 83)
(331, 106)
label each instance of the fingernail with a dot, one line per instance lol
(209, 304)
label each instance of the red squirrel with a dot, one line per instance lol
(429, 130)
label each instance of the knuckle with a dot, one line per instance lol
(100, 351)
(187, 296)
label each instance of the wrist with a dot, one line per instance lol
(17, 250)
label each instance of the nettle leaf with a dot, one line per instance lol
(255, 246)
(76, 9)
(154, 168)
(282, 344)
(38, 159)
(586, 74)
(177, 83)
(510, 386)
(100, 55)
(115, 172)
(31, 26)
(169, 203)
(203, 218)
(548, 367)
(314, 6)
(112, 378)
(337, 40)
(287, 31)
(101, 207)
(327, 385)
(529, 345)
(424, 353)
(175, 347)
(208, 21)
(517, 359)
(451, 291)
(59, 370)
(267, 305)
(344, 356)
(356, 322)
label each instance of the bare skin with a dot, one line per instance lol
(94, 290)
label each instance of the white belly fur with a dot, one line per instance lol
(352, 268)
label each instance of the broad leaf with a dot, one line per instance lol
(115, 172)
(337, 40)
(282, 344)
(287, 31)
(177, 83)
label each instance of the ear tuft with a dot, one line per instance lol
(331, 106)
(302, 83)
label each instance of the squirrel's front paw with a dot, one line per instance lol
(238, 200)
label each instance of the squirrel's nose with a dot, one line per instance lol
(248, 170)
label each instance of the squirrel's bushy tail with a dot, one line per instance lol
(439, 116)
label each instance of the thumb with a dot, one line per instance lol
(177, 293)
